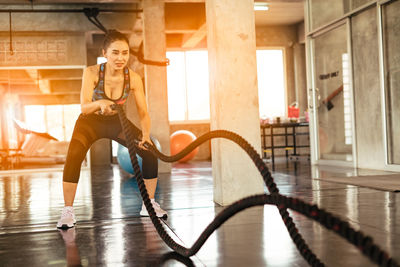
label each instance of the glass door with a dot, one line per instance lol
(332, 96)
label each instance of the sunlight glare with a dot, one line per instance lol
(197, 85)
(176, 84)
(271, 85)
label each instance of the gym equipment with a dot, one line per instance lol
(124, 160)
(363, 242)
(181, 139)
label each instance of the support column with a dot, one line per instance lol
(155, 76)
(233, 97)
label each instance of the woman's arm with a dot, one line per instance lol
(88, 83)
(137, 88)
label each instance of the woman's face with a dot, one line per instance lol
(117, 54)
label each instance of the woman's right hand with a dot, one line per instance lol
(105, 107)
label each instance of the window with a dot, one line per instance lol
(188, 87)
(271, 83)
(56, 120)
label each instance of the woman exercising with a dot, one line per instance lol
(103, 86)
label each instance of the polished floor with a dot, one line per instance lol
(110, 231)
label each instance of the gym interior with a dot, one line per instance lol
(309, 85)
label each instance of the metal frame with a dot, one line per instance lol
(313, 116)
(352, 100)
(382, 82)
(313, 112)
(383, 87)
(347, 15)
(314, 148)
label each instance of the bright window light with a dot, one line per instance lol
(35, 118)
(188, 85)
(56, 120)
(271, 85)
(198, 93)
(261, 6)
(188, 88)
(346, 100)
(176, 83)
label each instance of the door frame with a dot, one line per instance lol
(313, 100)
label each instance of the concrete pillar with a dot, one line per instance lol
(233, 97)
(100, 153)
(156, 77)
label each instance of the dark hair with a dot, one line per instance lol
(112, 36)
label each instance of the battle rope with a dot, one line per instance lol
(357, 238)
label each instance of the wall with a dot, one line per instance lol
(369, 132)
(323, 11)
(43, 49)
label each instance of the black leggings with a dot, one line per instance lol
(91, 127)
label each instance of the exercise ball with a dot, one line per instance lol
(124, 159)
(181, 139)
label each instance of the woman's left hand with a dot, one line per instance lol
(145, 138)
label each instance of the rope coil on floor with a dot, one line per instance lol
(361, 241)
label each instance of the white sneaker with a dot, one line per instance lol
(159, 211)
(67, 219)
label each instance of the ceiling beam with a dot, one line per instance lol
(66, 86)
(54, 99)
(195, 38)
(22, 89)
(66, 74)
(44, 86)
(184, 18)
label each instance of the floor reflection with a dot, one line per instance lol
(71, 249)
(110, 231)
(277, 244)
